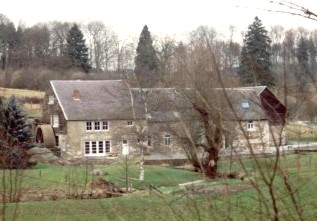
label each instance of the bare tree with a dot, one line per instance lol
(165, 48)
(102, 41)
(125, 53)
(37, 45)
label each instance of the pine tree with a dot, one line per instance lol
(146, 61)
(312, 56)
(302, 51)
(255, 60)
(302, 73)
(15, 136)
(77, 49)
(16, 124)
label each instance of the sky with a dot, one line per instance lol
(175, 18)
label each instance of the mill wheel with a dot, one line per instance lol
(44, 134)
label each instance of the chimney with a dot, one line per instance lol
(76, 95)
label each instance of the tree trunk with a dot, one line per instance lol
(213, 135)
(211, 163)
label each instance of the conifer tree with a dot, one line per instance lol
(255, 60)
(15, 136)
(302, 73)
(146, 61)
(312, 56)
(16, 122)
(77, 49)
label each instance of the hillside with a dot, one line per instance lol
(31, 100)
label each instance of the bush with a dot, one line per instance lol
(15, 157)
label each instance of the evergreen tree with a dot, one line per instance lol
(302, 51)
(14, 136)
(302, 73)
(77, 49)
(312, 56)
(15, 122)
(255, 60)
(146, 61)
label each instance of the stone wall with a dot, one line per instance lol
(118, 131)
(157, 132)
(258, 137)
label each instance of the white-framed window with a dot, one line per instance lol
(94, 147)
(88, 125)
(250, 125)
(130, 122)
(97, 148)
(105, 125)
(167, 140)
(97, 125)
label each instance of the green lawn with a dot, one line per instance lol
(252, 203)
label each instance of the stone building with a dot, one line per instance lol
(254, 115)
(107, 117)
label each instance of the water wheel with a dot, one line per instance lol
(44, 134)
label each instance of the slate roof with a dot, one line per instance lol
(113, 99)
(245, 103)
(98, 100)
(166, 105)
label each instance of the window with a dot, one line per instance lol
(88, 125)
(97, 148)
(54, 120)
(107, 145)
(100, 147)
(167, 140)
(250, 126)
(93, 147)
(97, 125)
(50, 100)
(245, 105)
(105, 125)
(130, 122)
(87, 147)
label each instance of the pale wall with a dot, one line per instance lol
(118, 131)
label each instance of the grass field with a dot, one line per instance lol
(34, 110)
(301, 132)
(7, 92)
(226, 200)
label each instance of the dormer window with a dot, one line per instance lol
(245, 104)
